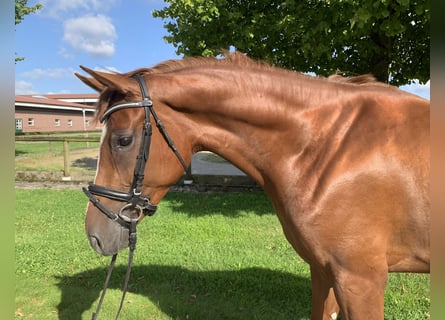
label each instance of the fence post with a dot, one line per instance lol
(66, 160)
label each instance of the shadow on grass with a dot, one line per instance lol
(20, 152)
(86, 163)
(253, 293)
(227, 204)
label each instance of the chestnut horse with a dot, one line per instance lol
(344, 161)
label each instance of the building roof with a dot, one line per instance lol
(58, 101)
(63, 96)
(89, 98)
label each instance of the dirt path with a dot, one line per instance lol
(54, 185)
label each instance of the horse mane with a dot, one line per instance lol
(243, 61)
(364, 79)
(240, 61)
(228, 58)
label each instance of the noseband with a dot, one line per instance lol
(133, 197)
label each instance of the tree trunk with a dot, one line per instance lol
(380, 59)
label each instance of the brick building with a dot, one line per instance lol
(55, 113)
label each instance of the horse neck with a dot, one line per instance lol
(245, 118)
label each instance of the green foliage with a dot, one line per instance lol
(389, 38)
(21, 10)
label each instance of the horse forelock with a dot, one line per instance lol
(103, 103)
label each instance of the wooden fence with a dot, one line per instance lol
(66, 149)
(204, 178)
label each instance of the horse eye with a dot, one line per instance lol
(124, 141)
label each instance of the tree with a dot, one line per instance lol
(21, 10)
(388, 38)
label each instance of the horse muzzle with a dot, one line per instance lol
(108, 227)
(105, 236)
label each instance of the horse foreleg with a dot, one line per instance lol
(324, 303)
(332, 308)
(361, 296)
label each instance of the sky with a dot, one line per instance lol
(114, 35)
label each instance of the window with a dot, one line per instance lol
(30, 122)
(70, 123)
(57, 122)
(18, 124)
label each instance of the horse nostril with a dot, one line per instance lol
(96, 244)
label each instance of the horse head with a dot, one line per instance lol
(136, 164)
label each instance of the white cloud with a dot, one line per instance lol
(58, 8)
(422, 90)
(63, 91)
(92, 34)
(27, 88)
(107, 69)
(24, 87)
(56, 73)
(65, 53)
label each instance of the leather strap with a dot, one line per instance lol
(133, 197)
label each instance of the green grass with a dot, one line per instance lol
(48, 156)
(39, 148)
(206, 256)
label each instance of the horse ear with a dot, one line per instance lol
(91, 82)
(103, 80)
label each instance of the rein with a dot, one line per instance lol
(135, 201)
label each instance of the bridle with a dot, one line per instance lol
(133, 198)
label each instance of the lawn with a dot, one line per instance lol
(205, 256)
(48, 156)
(54, 148)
